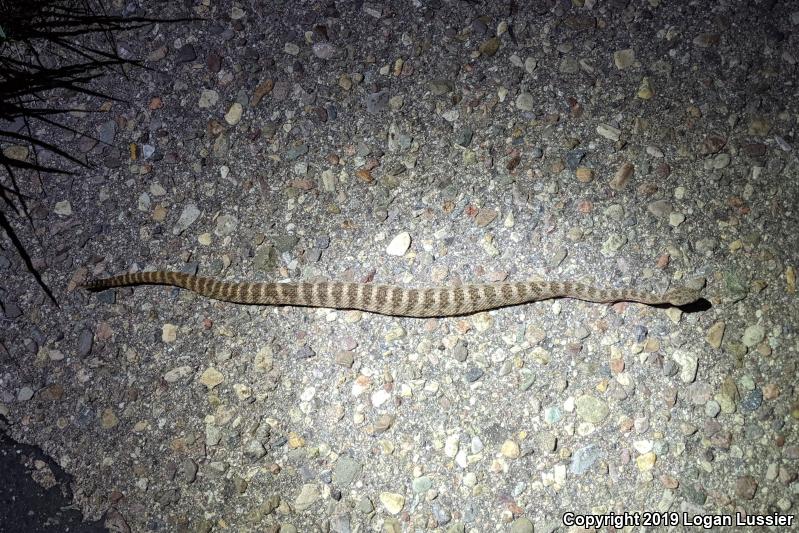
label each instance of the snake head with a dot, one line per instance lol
(681, 296)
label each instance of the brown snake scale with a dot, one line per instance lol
(392, 300)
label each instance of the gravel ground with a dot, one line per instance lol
(626, 143)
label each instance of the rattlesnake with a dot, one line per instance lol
(391, 300)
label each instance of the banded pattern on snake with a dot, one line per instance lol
(392, 300)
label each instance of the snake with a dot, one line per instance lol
(392, 300)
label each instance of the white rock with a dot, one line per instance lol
(233, 115)
(399, 244)
(392, 501)
(689, 364)
(208, 98)
(187, 217)
(63, 208)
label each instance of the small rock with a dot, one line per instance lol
(521, 525)
(473, 374)
(108, 419)
(745, 487)
(208, 98)
(225, 225)
(510, 449)
(689, 364)
(660, 208)
(489, 48)
(441, 87)
(285, 243)
(645, 91)
(609, 132)
(347, 470)
(309, 494)
(584, 458)
(715, 334)
(63, 208)
(254, 450)
(392, 501)
(324, 50)
(178, 373)
(486, 217)
(525, 101)
(24, 394)
(463, 137)
(591, 409)
(399, 244)
(187, 217)
(186, 54)
(377, 102)
(169, 333)
(211, 377)
(85, 341)
(646, 461)
(753, 335)
(233, 115)
(624, 58)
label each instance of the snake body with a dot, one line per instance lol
(389, 299)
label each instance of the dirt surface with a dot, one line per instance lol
(646, 143)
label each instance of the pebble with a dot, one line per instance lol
(187, 217)
(473, 374)
(377, 102)
(745, 487)
(254, 450)
(752, 400)
(85, 342)
(525, 102)
(622, 176)
(613, 244)
(715, 334)
(689, 364)
(753, 335)
(324, 50)
(624, 58)
(233, 115)
(591, 409)
(108, 419)
(225, 225)
(485, 217)
(421, 484)
(583, 458)
(721, 161)
(482, 322)
(392, 501)
(609, 132)
(178, 373)
(569, 65)
(208, 99)
(676, 219)
(646, 462)
(186, 54)
(169, 333)
(660, 208)
(16, 152)
(24, 394)
(309, 494)
(521, 525)
(489, 47)
(451, 445)
(645, 91)
(211, 377)
(399, 244)
(510, 449)
(63, 208)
